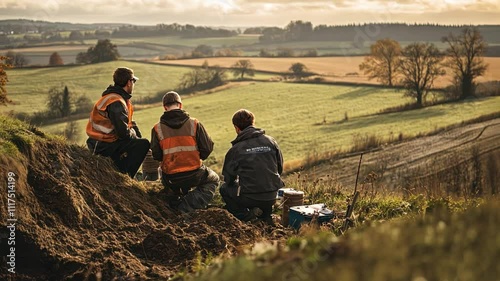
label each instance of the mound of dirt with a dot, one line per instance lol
(76, 218)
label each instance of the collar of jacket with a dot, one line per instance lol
(174, 118)
(117, 90)
(248, 133)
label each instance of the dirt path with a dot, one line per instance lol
(422, 156)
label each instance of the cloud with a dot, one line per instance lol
(253, 12)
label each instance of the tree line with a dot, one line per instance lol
(125, 31)
(185, 31)
(54, 36)
(361, 33)
(418, 65)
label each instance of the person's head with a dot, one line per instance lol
(172, 100)
(242, 119)
(124, 77)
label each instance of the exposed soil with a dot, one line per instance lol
(76, 218)
(79, 219)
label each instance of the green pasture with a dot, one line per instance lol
(29, 88)
(306, 119)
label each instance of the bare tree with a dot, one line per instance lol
(60, 102)
(420, 65)
(242, 67)
(382, 63)
(464, 58)
(16, 59)
(202, 78)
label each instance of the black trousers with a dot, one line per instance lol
(127, 155)
(240, 206)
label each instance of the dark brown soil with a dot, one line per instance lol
(79, 219)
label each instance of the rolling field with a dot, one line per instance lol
(334, 68)
(307, 119)
(134, 48)
(29, 88)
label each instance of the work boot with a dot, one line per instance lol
(268, 220)
(252, 214)
(257, 211)
(174, 202)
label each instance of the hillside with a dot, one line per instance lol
(76, 218)
(450, 162)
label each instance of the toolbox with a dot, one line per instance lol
(304, 214)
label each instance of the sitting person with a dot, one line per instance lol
(111, 130)
(181, 143)
(252, 169)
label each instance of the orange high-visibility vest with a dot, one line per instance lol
(180, 152)
(99, 126)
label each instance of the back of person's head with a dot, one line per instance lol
(171, 98)
(122, 75)
(243, 118)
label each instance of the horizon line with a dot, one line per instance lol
(262, 26)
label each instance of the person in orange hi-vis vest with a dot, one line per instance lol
(181, 142)
(111, 130)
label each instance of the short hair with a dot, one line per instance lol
(243, 118)
(171, 98)
(122, 75)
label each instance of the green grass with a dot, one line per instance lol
(294, 113)
(277, 107)
(29, 88)
(17, 136)
(442, 245)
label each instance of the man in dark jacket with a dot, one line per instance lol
(252, 169)
(111, 130)
(181, 143)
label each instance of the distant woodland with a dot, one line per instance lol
(32, 32)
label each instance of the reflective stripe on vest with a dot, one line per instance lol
(180, 152)
(99, 126)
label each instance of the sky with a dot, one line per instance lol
(245, 13)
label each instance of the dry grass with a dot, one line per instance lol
(329, 66)
(338, 69)
(466, 175)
